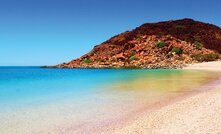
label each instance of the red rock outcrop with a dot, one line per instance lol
(182, 42)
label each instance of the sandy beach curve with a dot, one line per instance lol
(196, 114)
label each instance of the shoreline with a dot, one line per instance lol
(207, 66)
(137, 116)
(196, 112)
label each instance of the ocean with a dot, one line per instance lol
(40, 100)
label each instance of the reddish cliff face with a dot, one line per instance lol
(186, 30)
(168, 44)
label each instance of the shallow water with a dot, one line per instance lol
(37, 100)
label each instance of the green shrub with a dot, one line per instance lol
(132, 53)
(177, 50)
(161, 44)
(133, 57)
(197, 38)
(161, 34)
(205, 57)
(139, 38)
(113, 46)
(198, 45)
(87, 61)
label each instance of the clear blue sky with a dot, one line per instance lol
(47, 32)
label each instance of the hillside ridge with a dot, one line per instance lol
(168, 44)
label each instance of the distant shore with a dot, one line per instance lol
(210, 66)
(197, 113)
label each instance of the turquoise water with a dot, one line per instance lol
(74, 95)
(22, 83)
(30, 84)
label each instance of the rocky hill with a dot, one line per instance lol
(169, 44)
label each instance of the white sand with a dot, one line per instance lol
(196, 114)
(210, 66)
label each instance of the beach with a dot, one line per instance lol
(40, 101)
(197, 113)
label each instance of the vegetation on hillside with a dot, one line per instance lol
(169, 44)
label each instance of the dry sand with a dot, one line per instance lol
(199, 113)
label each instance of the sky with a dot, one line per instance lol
(48, 32)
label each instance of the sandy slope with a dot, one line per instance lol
(197, 114)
